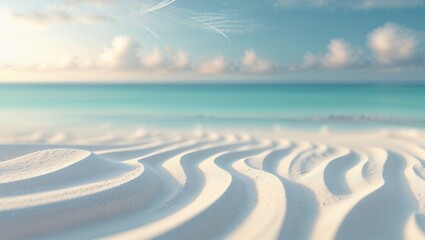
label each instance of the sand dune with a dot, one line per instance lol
(213, 184)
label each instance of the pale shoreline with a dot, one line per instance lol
(201, 184)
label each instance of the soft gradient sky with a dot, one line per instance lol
(200, 40)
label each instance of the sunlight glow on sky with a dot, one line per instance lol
(200, 40)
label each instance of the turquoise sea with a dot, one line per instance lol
(254, 105)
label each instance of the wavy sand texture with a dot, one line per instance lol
(217, 184)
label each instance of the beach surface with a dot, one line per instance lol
(213, 184)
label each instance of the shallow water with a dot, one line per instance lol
(299, 106)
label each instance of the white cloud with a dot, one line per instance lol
(181, 61)
(96, 3)
(340, 55)
(4, 66)
(154, 60)
(58, 13)
(394, 48)
(376, 4)
(122, 55)
(167, 60)
(353, 4)
(310, 60)
(87, 64)
(302, 3)
(90, 18)
(53, 15)
(251, 63)
(214, 66)
(393, 44)
(68, 62)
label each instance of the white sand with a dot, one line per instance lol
(213, 184)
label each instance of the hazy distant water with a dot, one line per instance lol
(215, 105)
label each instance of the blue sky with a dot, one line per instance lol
(200, 40)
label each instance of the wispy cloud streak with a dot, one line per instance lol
(217, 30)
(154, 34)
(159, 6)
(165, 16)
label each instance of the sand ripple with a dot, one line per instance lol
(206, 185)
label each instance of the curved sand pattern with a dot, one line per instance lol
(214, 185)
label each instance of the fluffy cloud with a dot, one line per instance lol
(251, 63)
(393, 44)
(181, 60)
(214, 66)
(122, 55)
(4, 66)
(154, 60)
(68, 62)
(310, 60)
(167, 60)
(353, 4)
(340, 55)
